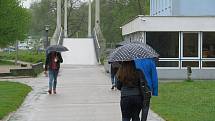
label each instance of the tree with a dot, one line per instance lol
(115, 13)
(14, 22)
(43, 13)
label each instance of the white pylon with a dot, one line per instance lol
(89, 20)
(97, 14)
(58, 15)
(65, 18)
(58, 27)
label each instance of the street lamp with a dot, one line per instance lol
(47, 36)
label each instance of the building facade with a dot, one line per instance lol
(182, 8)
(182, 32)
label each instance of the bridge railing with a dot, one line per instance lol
(57, 36)
(97, 45)
(60, 37)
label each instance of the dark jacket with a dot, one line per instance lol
(114, 68)
(48, 61)
(128, 90)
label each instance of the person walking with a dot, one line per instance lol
(114, 68)
(128, 81)
(148, 67)
(52, 65)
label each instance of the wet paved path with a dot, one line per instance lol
(83, 95)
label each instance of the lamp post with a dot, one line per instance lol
(47, 36)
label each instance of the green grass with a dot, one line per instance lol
(12, 94)
(186, 101)
(6, 62)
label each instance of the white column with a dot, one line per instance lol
(58, 15)
(58, 26)
(89, 20)
(65, 18)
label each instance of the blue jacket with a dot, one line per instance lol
(149, 69)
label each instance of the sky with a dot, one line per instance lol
(27, 3)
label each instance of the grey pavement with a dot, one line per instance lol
(83, 94)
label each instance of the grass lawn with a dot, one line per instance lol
(6, 62)
(12, 95)
(186, 101)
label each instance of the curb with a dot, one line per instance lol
(6, 118)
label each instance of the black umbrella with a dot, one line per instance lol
(130, 52)
(57, 48)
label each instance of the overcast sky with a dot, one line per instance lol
(27, 3)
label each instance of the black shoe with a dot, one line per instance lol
(49, 91)
(112, 87)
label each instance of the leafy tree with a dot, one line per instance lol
(14, 22)
(115, 13)
(77, 18)
(43, 13)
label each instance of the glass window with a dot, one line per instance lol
(208, 64)
(208, 48)
(190, 63)
(165, 43)
(190, 44)
(168, 64)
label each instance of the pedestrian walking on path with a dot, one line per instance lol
(148, 67)
(133, 84)
(52, 65)
(114, 68)
(131, 99)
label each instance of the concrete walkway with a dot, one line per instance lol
(84, 94)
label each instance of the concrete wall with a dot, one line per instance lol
(169, 23)
(182, 8)
(81, 51)
(181, 74)
(193, 8)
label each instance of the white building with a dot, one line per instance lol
(181, 41)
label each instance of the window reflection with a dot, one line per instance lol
(168, 64)
(190, 63)
(165, 43)
(208, 64)
(208, 50)
(190, 44)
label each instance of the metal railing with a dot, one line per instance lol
(97, 45)
(60, 37)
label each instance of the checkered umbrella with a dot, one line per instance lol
(149, 48)
(130, 52)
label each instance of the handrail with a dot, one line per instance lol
(97, 45)
(96, 37)
(59, 37)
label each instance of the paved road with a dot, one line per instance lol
(84, 94)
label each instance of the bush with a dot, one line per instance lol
(27, 56)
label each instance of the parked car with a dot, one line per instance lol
(9, 49)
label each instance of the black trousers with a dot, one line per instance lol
(145, 111)
(131, 107)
